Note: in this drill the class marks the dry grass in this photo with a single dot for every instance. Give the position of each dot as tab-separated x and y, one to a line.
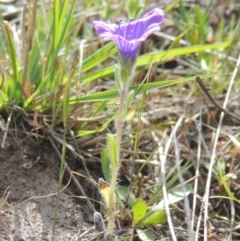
173	132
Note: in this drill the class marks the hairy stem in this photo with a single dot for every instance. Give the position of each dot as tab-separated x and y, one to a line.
116	167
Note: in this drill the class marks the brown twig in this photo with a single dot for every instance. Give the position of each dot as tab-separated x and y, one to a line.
206	91
90	205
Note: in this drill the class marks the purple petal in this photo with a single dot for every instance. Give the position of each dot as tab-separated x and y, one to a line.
129	36
104	29
127	49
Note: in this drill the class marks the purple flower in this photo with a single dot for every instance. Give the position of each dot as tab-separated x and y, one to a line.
129	36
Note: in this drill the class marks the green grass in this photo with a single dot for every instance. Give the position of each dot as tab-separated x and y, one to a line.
58	71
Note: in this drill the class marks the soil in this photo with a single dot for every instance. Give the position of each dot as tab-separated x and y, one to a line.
30	173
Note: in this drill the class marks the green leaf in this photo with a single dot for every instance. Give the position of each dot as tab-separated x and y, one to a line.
154	217
158	57
106	165
134	8
157	195
183	12
129	99
145	235
171	6
12	53
100	129
3	100
61	24
13	90
221	165
99	56
176	195
124	194
112	150
139	210
122	204
66	103
138	89
37	93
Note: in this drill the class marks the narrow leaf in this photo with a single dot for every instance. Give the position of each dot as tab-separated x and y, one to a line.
12	53
112	150
106	165
146	60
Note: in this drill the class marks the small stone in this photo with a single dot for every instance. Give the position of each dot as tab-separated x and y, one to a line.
98	222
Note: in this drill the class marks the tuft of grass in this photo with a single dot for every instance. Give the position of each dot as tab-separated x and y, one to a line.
58	75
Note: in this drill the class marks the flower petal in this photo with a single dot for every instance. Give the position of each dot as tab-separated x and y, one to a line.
104	29
142	27
127	49
129	36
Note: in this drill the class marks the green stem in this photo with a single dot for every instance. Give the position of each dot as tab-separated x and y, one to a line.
116	167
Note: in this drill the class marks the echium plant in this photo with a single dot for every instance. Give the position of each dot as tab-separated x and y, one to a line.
128	38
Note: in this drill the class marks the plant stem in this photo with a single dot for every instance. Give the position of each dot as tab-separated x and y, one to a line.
115	168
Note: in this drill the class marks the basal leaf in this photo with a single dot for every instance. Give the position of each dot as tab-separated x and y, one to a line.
139	210
154	217
176	195
145	235
124	195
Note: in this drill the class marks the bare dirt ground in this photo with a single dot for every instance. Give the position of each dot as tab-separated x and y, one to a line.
29	172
